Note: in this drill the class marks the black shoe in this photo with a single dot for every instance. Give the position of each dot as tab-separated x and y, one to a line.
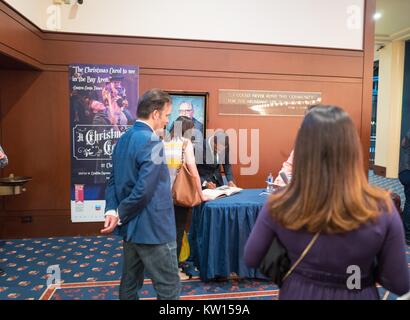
2	272
221	279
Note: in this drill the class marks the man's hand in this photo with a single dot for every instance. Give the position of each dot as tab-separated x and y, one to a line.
109	224
231	184
211	185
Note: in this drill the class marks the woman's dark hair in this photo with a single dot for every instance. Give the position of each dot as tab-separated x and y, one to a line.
329	190
154	99
180	126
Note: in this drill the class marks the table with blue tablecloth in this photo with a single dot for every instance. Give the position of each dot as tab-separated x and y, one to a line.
219	231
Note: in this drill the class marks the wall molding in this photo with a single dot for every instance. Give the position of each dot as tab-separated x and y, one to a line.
401	35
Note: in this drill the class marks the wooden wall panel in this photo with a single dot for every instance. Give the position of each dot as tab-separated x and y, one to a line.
181	57
11	227
35	115
366	106
19	38
36	137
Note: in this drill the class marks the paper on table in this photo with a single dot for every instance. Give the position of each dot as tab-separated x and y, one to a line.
220	192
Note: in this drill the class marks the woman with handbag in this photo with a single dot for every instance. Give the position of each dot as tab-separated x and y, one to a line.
341	235
179	151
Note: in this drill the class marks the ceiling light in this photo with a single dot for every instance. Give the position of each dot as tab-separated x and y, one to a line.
377	16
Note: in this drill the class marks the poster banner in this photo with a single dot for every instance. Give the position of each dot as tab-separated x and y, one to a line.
103	103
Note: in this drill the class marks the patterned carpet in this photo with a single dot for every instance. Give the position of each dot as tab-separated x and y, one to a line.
91	267
389	184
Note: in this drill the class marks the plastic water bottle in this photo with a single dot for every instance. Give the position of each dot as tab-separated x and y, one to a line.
269	182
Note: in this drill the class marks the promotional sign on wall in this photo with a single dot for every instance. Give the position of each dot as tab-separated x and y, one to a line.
103	103
266	103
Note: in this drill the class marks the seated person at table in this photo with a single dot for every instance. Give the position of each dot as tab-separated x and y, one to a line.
286	171
215	154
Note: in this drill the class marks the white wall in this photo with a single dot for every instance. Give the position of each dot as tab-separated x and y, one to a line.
317	23
389	107
34	10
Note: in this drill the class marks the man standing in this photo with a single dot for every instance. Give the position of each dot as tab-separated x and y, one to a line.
138	200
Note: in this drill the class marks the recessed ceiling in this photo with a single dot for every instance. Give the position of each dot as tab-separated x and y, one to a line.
394	23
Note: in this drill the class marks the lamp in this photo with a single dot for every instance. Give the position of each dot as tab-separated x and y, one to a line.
12	185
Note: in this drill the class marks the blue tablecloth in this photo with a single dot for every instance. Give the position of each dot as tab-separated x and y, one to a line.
218	234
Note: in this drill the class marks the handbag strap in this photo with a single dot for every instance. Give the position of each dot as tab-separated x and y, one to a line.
183	151
304	253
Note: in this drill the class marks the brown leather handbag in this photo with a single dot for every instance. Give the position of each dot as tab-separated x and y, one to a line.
184	191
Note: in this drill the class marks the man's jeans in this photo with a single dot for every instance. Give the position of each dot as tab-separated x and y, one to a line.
404	177
160	260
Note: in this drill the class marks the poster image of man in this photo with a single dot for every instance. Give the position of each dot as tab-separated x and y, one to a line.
191	106
186	109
